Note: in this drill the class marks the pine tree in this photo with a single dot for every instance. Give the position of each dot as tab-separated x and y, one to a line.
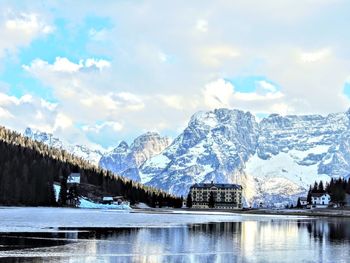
320	187
338	192
154	200
309	199
62	198
189	200
211	203
299	203
347	189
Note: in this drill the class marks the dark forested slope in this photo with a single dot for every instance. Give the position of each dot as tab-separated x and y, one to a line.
28	169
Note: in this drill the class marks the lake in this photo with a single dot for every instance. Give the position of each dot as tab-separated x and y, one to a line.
78	235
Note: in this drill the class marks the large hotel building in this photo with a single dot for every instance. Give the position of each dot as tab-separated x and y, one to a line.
226	196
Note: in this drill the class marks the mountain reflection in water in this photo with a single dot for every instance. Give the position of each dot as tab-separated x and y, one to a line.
307	240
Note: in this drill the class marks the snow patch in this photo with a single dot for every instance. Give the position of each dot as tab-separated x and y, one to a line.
57	189
85	203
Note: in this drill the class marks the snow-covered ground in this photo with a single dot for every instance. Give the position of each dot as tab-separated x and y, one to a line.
57	189
88	204
85	203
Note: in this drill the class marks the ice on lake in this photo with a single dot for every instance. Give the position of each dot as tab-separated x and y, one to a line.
45	219
93	235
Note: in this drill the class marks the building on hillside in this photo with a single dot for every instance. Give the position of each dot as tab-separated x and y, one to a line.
347	200
303	201
73	178
226	196
320	200
107	200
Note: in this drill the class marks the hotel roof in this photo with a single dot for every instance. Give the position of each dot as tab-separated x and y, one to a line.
210	185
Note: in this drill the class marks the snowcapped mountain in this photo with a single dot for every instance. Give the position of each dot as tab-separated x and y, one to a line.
212	147
82	151
275	160
126	160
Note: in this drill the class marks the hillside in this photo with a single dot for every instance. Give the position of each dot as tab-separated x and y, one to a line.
28	169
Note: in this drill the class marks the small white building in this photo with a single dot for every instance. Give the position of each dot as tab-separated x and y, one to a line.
73	178
320	200
107	200
303	201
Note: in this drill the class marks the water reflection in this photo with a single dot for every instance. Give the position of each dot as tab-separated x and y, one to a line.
308	240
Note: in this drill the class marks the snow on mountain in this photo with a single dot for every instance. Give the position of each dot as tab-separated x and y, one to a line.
275	160
126	160
81	151
212	147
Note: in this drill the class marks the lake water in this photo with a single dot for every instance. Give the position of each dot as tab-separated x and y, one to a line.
73	235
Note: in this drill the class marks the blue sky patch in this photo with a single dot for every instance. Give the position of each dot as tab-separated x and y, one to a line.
249	83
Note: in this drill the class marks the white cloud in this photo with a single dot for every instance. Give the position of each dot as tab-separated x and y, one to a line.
202	25
98	63
19	29
173	101
62	121
127	100
48	105
222	94
163	57
60	65
6	100
138	87
29	24
315	56
215	55
218	94
266	86
19	113
98	35
5	114
64	65
97	128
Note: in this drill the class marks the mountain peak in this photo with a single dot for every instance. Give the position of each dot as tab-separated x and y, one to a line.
126	160
218	117
123	145
82	151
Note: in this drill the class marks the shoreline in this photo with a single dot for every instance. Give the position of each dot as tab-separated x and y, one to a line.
342	213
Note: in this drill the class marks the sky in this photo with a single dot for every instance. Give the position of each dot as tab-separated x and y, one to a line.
98	72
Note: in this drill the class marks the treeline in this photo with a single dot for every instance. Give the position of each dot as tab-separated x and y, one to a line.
29	168
336	188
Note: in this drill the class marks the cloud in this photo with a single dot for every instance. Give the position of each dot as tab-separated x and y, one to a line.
315	56
97	128
202	25
104	133
221	94
25	111
218	94
29	24
62	122
98	35
214	56
148	69
64	65
5	114
266	86
19	29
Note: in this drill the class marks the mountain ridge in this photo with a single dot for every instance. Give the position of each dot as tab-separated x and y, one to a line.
275	159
